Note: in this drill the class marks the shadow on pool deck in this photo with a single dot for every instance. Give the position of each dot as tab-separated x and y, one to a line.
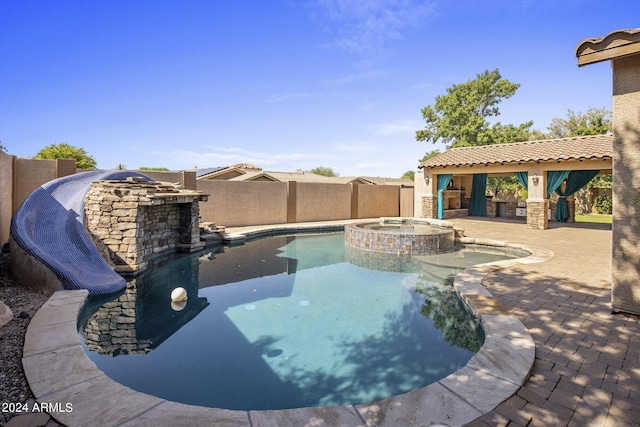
587	365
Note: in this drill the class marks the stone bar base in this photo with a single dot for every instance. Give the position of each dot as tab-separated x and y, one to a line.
537	212
134	221
455	213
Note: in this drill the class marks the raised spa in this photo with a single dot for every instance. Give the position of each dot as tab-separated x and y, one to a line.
405	237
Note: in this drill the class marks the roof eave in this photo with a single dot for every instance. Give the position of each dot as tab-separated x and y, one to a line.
617	44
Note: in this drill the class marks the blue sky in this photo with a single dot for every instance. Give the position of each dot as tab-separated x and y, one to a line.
282	84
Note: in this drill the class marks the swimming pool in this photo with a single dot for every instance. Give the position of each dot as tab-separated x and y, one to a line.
287	321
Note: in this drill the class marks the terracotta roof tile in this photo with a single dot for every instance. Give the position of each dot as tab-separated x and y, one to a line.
577	148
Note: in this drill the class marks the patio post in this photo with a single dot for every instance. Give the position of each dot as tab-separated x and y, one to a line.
537	202
429	199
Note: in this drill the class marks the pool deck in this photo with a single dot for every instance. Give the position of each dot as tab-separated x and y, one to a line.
585	366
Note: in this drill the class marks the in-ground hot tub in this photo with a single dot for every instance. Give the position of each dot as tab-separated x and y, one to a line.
401	236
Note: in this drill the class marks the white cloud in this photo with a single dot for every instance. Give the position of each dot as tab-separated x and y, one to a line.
365	27
362	76
356	147
210	156
406	126
288	97
422	86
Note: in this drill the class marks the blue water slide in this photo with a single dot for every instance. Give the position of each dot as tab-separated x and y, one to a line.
49	225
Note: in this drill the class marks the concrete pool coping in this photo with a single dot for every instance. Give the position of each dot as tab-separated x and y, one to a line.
60	373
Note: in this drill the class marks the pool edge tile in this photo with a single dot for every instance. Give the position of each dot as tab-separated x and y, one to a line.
433	404
185	415
344	416
100	398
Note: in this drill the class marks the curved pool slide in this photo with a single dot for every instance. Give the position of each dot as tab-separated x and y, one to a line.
49	226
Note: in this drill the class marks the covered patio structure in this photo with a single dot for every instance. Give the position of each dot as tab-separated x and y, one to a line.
454	182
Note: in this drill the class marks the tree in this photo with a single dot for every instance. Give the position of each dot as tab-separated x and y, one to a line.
596	121
66	151
325	171
147	168
410	175
2	147
459	118
429	155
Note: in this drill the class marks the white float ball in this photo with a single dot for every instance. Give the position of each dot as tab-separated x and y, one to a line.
178	305
179	294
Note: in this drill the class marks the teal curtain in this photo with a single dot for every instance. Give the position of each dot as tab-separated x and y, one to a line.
478	204
575	181
554	179
443	181
523	178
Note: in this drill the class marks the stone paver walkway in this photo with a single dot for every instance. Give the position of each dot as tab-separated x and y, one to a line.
587	366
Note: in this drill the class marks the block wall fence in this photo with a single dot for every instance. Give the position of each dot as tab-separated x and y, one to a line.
231	203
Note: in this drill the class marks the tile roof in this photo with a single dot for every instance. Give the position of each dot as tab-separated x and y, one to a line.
616	44
283	176
576	148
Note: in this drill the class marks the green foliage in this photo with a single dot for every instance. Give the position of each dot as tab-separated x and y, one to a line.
325	171
459	118
66	151
450	315
408	175
497	183
429	155
146	168
596	121
603	204
600	181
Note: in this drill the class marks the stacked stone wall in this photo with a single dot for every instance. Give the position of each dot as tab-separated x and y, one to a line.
537	214
492	208
132	222
430	206
112	329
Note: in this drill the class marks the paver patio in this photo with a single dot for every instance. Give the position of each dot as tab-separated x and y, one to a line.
587	366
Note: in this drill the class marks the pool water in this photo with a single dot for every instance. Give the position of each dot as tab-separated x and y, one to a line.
404	228
286	322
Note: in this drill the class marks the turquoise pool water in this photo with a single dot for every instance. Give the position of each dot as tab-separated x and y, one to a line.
285	322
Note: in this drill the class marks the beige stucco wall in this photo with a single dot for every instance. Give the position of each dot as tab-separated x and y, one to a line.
234	203
322	202
6	195
625	292
29	175
378	200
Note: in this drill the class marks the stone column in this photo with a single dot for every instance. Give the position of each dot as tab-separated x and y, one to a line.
625	290
428	188
537	211
537	202
430	206
571	205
